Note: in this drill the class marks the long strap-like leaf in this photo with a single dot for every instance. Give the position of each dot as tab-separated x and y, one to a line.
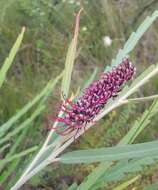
120	152
9	60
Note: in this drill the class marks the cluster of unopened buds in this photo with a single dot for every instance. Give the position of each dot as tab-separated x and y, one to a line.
77	113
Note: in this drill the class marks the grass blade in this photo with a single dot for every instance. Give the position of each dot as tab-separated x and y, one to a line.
4	147
133	39
23	125
120	152
18	155
70	58
10	58
140	124
45	92
127	183
127	139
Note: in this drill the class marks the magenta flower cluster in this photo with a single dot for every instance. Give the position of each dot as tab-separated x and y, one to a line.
78	114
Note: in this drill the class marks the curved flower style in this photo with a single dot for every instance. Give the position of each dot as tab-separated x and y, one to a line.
78	114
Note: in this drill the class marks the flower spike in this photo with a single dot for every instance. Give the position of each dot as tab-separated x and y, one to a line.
78	114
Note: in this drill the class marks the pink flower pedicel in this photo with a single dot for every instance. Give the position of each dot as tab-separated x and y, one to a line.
78	114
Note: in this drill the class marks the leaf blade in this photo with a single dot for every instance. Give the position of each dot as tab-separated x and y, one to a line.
112	153
70	58
9	60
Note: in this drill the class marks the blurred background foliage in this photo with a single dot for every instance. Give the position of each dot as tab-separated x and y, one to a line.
49	29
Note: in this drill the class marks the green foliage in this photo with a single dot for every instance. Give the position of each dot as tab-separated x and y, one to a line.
141	80
142	122
152	186
5	135
70	58
42	158
16	156
137	128
133	39
11	155
10	58
49	26
126	184
119	125
22	126
120	152
42	95
121	169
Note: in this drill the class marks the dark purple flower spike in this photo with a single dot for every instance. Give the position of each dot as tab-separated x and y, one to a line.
78	114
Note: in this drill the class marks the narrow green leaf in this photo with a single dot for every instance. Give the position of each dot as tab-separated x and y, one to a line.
18	142
112	153
126	183
70	58
14	146
23	125
10	58
122	168
45	92
18	155
46	153
94	176
140	124
4	147
10	169
133	39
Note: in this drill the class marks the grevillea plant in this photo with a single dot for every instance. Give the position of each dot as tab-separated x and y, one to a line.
98	99
95	96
